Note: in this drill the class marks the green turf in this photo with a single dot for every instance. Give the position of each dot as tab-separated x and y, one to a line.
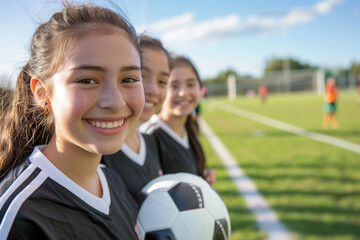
313	187
305	110
243	223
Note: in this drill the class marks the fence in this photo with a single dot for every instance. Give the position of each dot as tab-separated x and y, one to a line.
283	82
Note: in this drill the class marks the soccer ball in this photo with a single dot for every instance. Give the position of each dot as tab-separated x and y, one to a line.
182	206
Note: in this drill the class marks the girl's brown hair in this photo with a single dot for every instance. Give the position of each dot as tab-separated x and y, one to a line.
24	124
191	125
150	42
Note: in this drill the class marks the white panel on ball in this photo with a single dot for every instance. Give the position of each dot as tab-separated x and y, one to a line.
157	202
194	225
213	203
163	185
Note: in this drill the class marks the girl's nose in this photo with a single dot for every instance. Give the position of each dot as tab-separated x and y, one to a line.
182	90
150	87
111	97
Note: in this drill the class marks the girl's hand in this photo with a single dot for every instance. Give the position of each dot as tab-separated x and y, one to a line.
210	176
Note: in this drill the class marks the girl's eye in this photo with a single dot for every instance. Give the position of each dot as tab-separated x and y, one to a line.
162	82
192	84
87	81
129	80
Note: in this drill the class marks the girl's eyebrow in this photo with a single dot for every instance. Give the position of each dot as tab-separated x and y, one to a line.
144	68
130	68
191	79
88	67
101	69
165	74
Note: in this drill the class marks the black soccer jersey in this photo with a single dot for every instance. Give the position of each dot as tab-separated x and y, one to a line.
176	154
40	202
136	170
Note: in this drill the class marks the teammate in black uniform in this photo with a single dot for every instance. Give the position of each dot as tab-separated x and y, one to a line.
78	97
138	160
174	128
177	154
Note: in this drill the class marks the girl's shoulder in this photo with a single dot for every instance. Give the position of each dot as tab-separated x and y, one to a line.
149	139
151	125
13	175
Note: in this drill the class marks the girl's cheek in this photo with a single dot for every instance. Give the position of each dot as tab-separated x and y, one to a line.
174	93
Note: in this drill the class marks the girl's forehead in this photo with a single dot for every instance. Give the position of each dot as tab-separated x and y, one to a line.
183	68
99	47
182	71
70	45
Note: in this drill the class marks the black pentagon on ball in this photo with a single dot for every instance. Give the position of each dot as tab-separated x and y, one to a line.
221	230
165	234
186	196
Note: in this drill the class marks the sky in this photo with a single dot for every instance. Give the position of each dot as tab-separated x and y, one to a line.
216	35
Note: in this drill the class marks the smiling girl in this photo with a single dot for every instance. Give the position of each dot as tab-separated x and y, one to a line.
77	98
175	128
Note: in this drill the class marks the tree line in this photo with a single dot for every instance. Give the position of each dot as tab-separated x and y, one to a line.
278	64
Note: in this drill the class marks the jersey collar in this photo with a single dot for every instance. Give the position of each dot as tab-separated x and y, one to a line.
138	158
101	204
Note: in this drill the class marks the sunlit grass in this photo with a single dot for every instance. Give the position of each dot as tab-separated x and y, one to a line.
313	187
243	222
305	110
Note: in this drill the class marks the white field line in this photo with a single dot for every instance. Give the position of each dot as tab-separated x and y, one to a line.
265	216
289	128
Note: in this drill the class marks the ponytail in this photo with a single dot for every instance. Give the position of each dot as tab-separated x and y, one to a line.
24	125
192	131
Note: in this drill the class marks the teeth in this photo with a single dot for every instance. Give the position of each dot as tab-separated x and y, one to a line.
147	104
108	124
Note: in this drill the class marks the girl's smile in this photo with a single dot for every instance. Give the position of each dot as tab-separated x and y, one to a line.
107	127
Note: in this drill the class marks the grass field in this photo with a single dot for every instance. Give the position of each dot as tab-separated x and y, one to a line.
313	187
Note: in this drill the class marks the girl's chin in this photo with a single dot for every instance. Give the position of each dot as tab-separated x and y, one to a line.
182	113
146	116
109	150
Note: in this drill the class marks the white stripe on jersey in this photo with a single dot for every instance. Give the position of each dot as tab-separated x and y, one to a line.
23	176
15	205
155	123
138	158
148	126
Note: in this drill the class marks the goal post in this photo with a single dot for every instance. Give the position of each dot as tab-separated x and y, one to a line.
320	82
231	85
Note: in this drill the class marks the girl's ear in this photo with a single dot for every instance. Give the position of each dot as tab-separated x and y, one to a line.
38	88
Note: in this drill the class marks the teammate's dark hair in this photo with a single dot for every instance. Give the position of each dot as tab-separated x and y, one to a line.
153	43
